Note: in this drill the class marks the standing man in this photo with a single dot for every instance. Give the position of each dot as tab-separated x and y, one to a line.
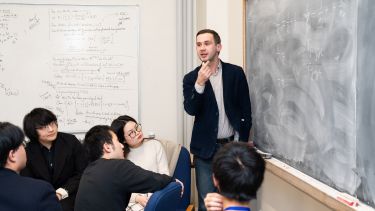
217	95
17	192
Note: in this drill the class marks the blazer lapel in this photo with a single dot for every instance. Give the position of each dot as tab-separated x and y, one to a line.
38	162
210	91
60	158
225	77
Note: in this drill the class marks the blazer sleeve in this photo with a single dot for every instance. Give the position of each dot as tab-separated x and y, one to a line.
48	199
192	99
245	107
80	163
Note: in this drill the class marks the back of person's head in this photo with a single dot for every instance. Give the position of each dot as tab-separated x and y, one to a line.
37	118
118	127
11	138
94	140
217	38
238	170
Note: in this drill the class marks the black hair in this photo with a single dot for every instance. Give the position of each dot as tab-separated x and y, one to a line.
239	170
210	31
11	138
118	127
38	117
94	140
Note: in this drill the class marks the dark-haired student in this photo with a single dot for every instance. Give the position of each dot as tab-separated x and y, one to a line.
238	172
53	156
109	179
17	192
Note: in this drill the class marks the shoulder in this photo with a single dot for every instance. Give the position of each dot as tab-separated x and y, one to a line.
233	67
155	145
36	184
110	163
152	142
31	147
192	74
68	138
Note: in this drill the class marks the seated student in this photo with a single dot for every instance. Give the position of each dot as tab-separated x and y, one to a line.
148	154
53	156
238	172
109	179
17	192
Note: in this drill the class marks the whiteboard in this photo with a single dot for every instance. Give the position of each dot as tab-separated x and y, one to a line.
79	61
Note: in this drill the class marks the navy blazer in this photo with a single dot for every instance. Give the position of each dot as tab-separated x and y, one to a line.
204	108
22	193
70	163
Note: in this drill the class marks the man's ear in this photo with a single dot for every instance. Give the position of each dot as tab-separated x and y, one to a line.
218	48
107	148
216	183
12	156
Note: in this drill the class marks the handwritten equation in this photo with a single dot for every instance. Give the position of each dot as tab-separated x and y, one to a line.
79	61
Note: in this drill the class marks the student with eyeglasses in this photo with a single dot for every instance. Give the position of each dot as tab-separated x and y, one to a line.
53	156
148	154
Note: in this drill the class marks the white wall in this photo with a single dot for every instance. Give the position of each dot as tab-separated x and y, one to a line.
158	74
225	17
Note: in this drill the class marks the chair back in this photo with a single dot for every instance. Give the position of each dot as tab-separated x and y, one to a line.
183	173
166	199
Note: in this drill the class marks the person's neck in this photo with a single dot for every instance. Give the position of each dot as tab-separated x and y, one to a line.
233	203
136	146
12	168
214	64
46	144
107	156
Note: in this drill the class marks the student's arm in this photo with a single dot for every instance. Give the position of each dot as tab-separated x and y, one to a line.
137	180
48	200
79	163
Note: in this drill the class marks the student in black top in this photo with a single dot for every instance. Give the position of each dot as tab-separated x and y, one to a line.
238	172
53	156
17	192
109	179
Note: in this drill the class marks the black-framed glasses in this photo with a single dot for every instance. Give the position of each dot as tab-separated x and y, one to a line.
137	129
47	126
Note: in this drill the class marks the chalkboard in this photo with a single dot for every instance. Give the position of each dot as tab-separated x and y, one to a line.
311	74
79	61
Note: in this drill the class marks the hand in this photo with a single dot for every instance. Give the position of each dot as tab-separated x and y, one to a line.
182	185
251	143
59	197
204	73
142	200
213	202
